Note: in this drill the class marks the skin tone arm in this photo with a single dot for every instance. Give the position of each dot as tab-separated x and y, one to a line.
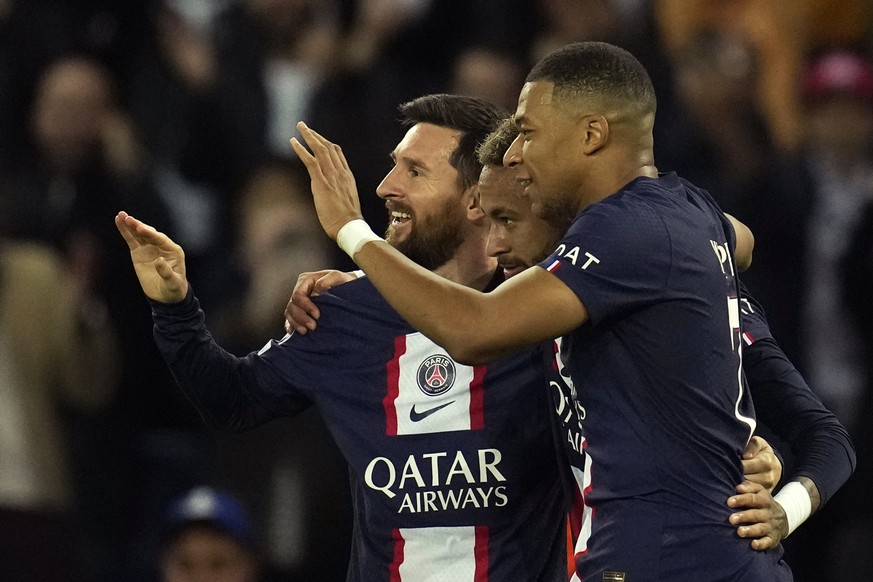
470	325
745	243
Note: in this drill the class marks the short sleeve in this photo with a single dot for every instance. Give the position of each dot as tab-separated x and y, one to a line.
615	256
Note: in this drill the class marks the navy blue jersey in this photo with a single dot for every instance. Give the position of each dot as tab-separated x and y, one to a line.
568	424
658	377
454	469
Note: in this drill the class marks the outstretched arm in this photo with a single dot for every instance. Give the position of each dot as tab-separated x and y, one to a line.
472	326
230	393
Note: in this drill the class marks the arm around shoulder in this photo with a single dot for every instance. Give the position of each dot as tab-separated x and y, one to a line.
474	327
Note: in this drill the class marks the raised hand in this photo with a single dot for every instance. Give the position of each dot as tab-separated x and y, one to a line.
333	185
158	261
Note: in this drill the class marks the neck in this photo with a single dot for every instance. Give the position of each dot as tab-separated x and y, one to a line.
471	266
625	166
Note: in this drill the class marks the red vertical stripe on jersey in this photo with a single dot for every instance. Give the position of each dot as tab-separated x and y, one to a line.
393	388
571	559
480	552
477	398
577	510
394	567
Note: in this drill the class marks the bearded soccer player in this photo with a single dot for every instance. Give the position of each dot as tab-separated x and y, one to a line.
454	469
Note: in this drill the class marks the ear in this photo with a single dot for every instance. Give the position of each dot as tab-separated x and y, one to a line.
474	210
595	133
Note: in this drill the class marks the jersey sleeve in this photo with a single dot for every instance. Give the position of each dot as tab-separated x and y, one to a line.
784	402
229	392
615	257
753	318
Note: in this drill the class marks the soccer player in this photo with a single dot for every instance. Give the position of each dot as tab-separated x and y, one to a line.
643	288
823	450
454	469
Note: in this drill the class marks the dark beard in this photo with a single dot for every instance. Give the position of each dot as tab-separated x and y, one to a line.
434	240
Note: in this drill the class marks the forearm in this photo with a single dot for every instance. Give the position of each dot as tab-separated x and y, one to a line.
448	313
230	393
784	402
474	327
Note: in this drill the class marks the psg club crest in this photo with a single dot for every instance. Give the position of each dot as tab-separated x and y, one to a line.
436	375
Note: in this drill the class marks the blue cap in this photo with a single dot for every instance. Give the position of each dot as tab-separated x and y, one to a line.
204	505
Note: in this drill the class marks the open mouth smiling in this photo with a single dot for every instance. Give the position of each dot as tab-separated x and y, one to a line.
398	217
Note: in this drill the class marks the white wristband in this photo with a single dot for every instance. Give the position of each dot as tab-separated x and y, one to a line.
795	500
353	235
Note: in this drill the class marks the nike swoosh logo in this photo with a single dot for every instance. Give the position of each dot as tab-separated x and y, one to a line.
416	416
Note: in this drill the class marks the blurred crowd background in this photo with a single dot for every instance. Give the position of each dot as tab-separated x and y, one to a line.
180	111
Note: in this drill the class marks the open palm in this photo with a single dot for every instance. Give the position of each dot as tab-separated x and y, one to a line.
158	261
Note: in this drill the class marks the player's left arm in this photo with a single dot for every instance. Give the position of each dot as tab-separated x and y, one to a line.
824	456
473	327
745	243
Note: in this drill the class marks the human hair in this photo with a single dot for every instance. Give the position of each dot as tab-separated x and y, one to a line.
600	72
490	152
475	118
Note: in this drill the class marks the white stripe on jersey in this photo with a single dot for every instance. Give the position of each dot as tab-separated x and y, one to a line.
421	413
734	320
583	482
439	554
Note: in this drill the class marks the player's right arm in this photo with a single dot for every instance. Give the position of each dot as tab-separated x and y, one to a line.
230	393
473	327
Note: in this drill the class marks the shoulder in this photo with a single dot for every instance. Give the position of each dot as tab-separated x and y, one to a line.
643	197
634	215
356	303
359	291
